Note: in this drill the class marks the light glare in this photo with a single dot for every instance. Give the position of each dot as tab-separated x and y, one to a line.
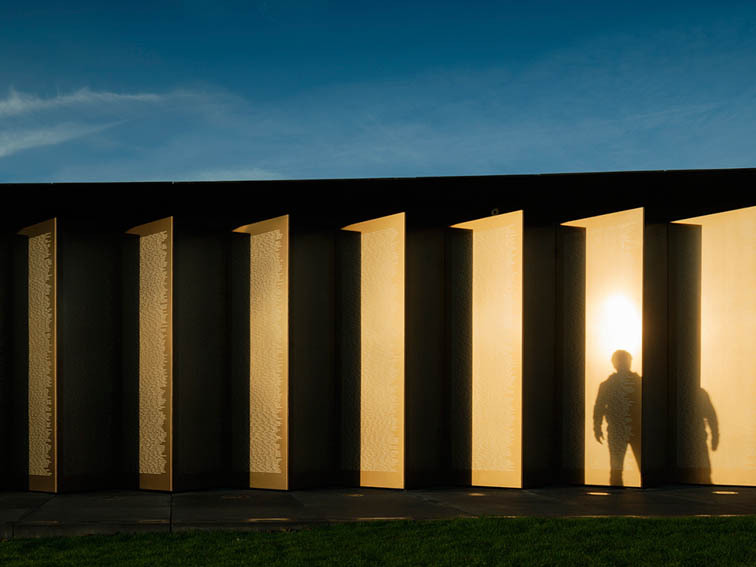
621	325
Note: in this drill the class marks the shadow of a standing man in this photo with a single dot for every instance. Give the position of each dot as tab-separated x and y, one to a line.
704	415
618	401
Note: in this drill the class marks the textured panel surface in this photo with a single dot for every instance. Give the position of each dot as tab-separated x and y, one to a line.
267	448
497	350
614	296
268	350
716	420
41	354
382	351
154	352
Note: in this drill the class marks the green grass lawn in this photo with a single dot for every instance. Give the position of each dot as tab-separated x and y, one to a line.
486	541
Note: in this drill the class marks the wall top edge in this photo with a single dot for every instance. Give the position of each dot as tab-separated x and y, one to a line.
391	221
40	228
584	222
161	225
260	227
494	221
723	215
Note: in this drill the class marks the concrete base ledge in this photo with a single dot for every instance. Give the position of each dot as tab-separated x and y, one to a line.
30	515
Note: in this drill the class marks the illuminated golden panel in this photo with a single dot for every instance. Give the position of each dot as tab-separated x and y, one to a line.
613	319
497	350
727	392
155	353
269	352
382	351
42	372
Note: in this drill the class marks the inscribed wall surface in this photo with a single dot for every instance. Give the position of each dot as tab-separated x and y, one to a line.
155	354
268	352
716	421
496	443
613	318
382	351
42	356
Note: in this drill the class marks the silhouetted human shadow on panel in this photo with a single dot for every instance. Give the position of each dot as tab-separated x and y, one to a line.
618	401
704	416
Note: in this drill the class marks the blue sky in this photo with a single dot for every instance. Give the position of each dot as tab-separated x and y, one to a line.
329	89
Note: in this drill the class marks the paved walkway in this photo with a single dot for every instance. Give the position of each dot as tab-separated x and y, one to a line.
26	514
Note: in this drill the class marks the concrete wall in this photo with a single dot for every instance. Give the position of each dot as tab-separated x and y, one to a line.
313	410
313	387
458	348
685	357
517	377
238	388
570	353
540	431
89	357
348	354
425	373
18	477
200	358
655	415
128	409
6	361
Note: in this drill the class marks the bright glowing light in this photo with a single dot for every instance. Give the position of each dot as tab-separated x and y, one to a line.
724	492
613	315
597	493
620	325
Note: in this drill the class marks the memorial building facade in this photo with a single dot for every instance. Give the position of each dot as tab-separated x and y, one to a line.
502	331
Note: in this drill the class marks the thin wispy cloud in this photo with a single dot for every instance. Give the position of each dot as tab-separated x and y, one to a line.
604	104
286	90
19	103
15	141
29	121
